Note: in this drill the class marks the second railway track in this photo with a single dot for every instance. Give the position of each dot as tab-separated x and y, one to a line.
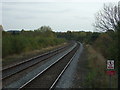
7	72
50	75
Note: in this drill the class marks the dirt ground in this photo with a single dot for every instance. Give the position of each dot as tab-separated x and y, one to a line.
81	72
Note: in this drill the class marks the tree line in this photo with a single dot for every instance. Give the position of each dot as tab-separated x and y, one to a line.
107	42
107	35
104	42
24	41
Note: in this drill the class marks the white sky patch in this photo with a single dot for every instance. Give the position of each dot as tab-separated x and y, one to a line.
60	0
0	12
60	16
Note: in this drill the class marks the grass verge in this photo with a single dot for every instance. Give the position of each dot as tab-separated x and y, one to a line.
96	77
26	55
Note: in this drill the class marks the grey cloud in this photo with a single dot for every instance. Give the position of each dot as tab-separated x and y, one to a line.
60	16
35	10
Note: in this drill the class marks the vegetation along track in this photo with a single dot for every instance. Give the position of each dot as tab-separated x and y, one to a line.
12	70
50	75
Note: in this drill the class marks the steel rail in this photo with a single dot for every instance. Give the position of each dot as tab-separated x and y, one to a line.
57	79
5	77
32	58
43	71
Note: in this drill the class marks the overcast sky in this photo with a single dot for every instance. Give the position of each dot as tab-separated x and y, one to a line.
59	15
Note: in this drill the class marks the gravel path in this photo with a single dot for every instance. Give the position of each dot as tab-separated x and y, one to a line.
75	75
81	71
67	78
31	74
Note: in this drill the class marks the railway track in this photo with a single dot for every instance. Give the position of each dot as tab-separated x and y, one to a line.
21	66
51	74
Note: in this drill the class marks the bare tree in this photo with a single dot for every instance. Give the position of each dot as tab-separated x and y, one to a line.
108	18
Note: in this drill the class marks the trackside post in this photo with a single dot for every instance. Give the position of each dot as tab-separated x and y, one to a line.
110	71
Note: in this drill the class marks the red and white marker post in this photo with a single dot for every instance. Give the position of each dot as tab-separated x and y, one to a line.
110	70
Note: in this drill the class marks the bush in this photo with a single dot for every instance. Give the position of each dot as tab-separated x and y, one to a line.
27	41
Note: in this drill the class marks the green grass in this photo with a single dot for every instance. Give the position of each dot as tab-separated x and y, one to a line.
26	55
27	41
97	78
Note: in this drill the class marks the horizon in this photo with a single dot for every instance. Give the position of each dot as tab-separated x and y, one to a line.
60	16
